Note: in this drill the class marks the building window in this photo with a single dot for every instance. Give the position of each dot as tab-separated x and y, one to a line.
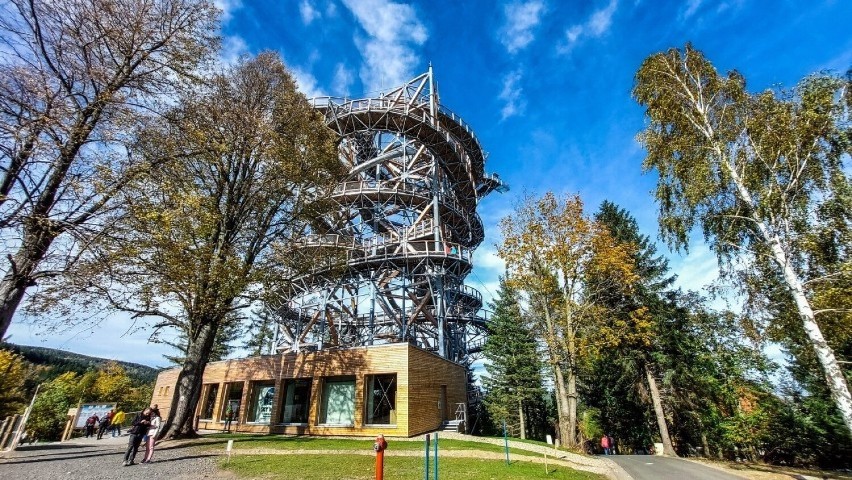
209	401
381	399
263	395
231	407
338	401
297	401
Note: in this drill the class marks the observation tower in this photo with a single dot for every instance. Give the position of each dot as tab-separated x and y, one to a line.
399	244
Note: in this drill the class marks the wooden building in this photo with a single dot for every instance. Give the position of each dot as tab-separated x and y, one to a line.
393	389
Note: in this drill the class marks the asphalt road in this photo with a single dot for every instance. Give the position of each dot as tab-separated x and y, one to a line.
654	467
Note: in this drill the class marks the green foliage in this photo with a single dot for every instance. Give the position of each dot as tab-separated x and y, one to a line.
513	365
109	384
261	331
223	345
766	177
50	410
13	373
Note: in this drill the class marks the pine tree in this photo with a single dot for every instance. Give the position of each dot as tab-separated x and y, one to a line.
514	381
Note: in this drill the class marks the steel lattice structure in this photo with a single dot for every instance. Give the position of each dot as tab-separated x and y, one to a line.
406	224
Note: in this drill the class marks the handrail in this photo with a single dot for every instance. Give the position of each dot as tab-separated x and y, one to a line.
386	103
461	413
365	187
403	247
468	291
472	219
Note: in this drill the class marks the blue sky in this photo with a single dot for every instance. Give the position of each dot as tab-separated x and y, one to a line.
545	84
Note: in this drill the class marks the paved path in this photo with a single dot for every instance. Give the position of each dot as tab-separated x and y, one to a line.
655	467
85	459
600	465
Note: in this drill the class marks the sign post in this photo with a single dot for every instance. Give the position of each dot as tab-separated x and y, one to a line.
549	442
228	449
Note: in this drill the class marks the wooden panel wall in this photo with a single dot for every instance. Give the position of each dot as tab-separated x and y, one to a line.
164	390
427	373
420	375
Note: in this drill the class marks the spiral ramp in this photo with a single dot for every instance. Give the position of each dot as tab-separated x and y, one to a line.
389	265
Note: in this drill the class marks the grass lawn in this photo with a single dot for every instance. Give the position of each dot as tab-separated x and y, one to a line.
334	467
242	441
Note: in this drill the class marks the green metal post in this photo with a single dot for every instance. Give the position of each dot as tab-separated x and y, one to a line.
426	477
506	441
436	455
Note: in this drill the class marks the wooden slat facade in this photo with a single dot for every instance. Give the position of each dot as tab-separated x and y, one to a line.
429	388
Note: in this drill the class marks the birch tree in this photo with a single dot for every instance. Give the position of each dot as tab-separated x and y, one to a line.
754	171
76	76
550	245
249	161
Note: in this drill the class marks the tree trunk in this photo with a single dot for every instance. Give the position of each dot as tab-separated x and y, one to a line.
22	267
572	407
523	423
561	404
668	449
706	445
833	375
561	396
180	422
572	374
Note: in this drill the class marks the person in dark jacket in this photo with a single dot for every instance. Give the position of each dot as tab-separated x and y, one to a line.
91	423
137	431
105	423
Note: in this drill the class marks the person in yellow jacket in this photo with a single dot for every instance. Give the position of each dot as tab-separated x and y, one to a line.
117	420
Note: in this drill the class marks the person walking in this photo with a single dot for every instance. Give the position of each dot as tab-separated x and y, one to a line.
229	417
605	444
151	438
105	423
136	432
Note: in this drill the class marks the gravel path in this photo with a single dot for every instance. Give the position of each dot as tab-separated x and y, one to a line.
84	459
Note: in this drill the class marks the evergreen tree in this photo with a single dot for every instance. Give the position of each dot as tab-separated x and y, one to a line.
514	382
261	332
629	337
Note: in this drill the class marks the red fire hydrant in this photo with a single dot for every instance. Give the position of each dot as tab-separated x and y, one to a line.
380	447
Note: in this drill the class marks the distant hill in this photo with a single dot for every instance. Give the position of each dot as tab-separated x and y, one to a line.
63	361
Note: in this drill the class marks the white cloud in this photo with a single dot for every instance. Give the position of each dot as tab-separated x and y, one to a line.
596	26
393	31
307	83
691	7
601	20
697	270
513	102
343	78
521	19
331	9
308	12
228	7
233	47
